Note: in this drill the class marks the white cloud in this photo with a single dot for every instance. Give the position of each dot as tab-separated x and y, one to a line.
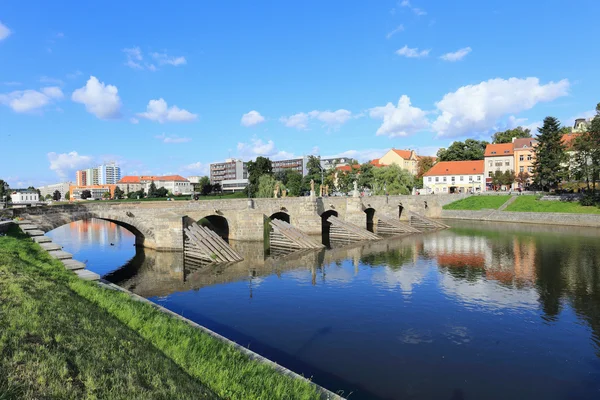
51	81
134	58
331	119
65	164
99	99
198	168
252	118
361	155
457	55
416	10
412	52
476	108
298	121
158	110
257	147
163	58
29	100
134	121
399	28
4	31
172	139
402	120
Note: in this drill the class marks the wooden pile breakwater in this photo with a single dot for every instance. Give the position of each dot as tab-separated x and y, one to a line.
205	246
390	226
345	231
284	236
423	223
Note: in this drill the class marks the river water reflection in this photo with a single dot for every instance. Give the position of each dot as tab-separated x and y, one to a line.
479	311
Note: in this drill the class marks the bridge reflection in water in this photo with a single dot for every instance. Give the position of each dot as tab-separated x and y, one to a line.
480	311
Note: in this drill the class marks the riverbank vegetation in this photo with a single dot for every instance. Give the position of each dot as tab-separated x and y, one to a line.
534	204
478	203
62	337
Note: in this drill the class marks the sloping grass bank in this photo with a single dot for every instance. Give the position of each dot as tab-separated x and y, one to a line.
478	203
62	337
533	204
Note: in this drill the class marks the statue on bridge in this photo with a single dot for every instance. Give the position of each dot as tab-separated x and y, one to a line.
276	191
355	192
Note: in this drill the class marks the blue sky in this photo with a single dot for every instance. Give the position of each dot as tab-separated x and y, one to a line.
169	87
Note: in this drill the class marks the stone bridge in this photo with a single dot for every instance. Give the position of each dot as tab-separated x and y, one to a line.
159	225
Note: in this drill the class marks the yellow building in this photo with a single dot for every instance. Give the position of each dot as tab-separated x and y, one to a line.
405	159
524	153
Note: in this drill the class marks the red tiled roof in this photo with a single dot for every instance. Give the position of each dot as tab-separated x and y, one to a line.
375	162
456	168
403	153
497	150
522	143
130	179
178	178
347	168
147	178
568	138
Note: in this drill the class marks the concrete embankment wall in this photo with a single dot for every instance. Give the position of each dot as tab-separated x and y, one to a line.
5	225
525	217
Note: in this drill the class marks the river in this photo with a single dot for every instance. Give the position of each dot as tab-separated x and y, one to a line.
478	311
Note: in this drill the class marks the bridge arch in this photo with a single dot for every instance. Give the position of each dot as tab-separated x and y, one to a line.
218	224
370	213
326	226
280	215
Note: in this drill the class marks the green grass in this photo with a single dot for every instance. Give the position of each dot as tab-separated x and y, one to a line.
532	204
62	337
478	203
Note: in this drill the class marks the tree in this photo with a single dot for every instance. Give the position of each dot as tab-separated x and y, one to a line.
216	188
293	182
261	166
152	189
425	163
119	193
550	155
4	189
508	178
497	179
140	193
161	192
48	197
207	189
522	179
471	149
508	135
313	171
56	195
393	180
266	186
68	196
366	177
86	194
106	195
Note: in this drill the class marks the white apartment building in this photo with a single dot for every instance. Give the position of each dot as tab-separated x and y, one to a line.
105	174
63	188
455	177
24	197
173	183
234	185
498	157
229	170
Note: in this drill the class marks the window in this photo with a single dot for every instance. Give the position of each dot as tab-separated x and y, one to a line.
490	174
521	169
521	157
529	157
507	163
445	189
437	178
470	178
530	169
444	179
498	163
453	178
429	179
491	163
462	178
493	152
479	178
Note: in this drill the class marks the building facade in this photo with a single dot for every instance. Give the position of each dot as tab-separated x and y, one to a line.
524	155
24	197
455	177
175	184
498	157
296	164
63	189
234	185
105	174
97	192
231	169
405	159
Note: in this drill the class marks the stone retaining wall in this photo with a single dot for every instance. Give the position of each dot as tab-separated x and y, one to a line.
525	217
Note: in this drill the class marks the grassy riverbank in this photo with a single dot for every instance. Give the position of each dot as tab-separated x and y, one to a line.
478	203
62	337
533	204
